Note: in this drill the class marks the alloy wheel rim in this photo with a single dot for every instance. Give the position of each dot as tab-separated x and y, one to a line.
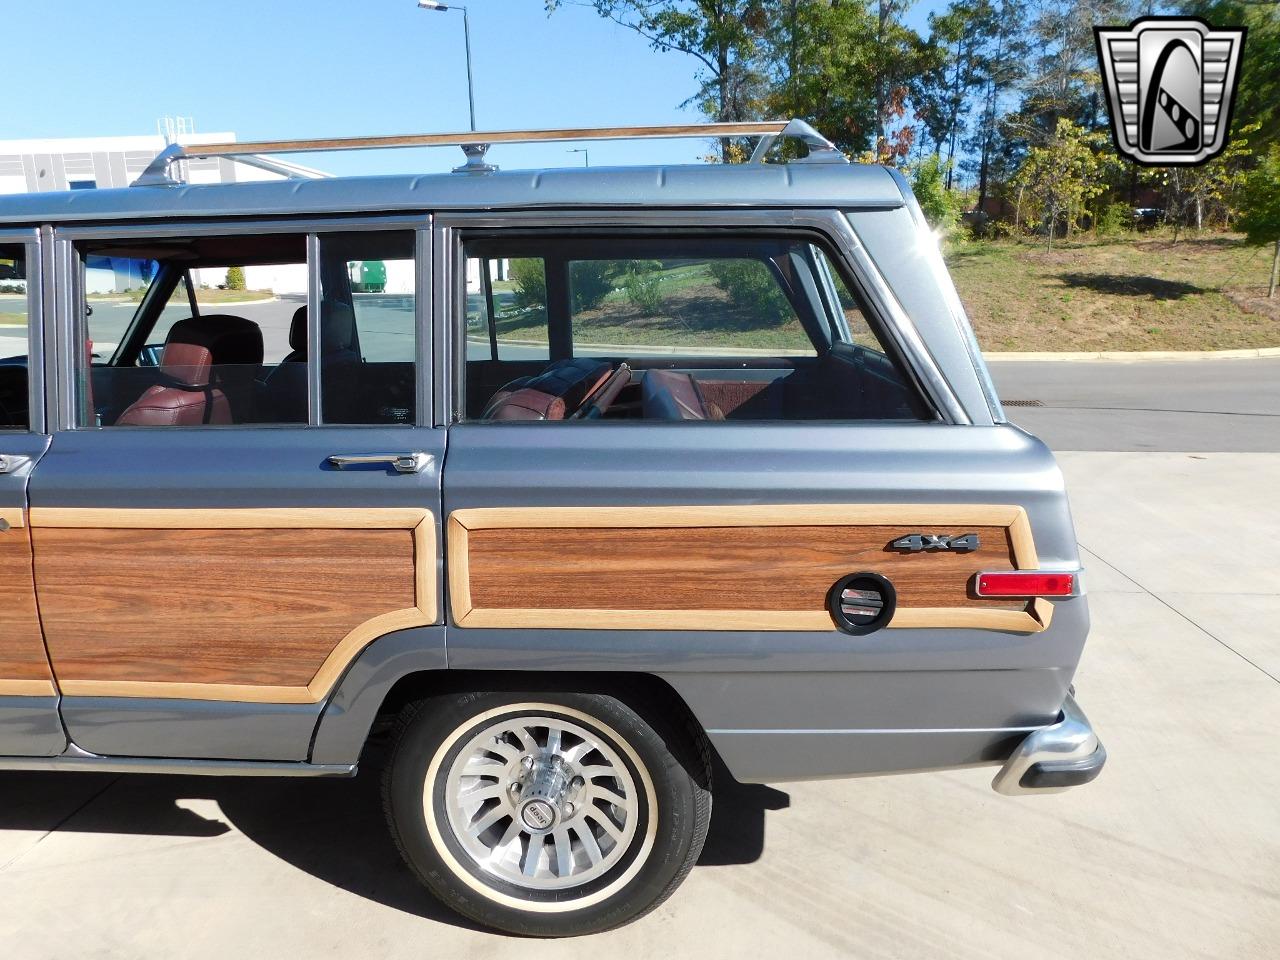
541	802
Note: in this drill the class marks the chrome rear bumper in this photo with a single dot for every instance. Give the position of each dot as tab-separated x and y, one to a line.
1053	758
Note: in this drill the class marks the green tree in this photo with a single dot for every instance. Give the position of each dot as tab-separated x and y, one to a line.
1258	98
959	35
1064	174
1188	190
1003	64
1260	220
235	278
819	62
721	35
941	206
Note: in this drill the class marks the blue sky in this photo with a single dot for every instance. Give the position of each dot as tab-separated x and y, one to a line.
299	68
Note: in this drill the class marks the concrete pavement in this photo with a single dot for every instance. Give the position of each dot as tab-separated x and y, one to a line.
1174	852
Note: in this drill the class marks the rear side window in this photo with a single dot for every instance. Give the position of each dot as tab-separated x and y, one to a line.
14	314
672	328
217	331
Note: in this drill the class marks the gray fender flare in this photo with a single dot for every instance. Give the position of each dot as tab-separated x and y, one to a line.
344	725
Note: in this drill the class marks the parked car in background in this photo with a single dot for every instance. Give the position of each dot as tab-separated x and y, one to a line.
716	472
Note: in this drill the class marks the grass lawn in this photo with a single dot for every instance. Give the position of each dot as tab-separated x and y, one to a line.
13	319
694	311
211	295
1203	293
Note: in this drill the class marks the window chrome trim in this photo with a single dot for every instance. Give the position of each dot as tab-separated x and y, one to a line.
37	281
946	286
423	327
832	224
935	384
60	334
315	410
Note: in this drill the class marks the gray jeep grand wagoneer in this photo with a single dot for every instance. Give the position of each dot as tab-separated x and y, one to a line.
619	472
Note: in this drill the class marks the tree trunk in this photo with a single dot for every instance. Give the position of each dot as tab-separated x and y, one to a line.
1199	214
1275	271
881	87
722	85
1053	225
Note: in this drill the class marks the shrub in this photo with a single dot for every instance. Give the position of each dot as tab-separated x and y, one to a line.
235	278
941	207
644	290
589	283
752	289
530	279
1116	218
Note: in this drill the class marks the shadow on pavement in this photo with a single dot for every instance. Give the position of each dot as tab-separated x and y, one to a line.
331	829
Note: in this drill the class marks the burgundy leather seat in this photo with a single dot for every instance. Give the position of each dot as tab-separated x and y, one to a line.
551	395
208	367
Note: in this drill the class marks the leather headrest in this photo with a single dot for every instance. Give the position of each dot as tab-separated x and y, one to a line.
197	344
298	330
337	328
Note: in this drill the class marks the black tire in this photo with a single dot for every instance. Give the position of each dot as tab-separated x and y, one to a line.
666	758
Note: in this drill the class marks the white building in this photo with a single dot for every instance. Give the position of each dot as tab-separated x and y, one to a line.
86	163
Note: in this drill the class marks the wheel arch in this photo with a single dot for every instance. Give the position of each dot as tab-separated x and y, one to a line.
411	665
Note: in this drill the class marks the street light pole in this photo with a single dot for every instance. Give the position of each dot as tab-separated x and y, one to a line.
466	34
586	155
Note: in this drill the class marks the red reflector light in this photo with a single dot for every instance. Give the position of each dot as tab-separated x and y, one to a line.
1025	584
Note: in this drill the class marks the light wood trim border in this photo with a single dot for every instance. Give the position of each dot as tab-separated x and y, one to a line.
461	522
16	517
424	612
27	688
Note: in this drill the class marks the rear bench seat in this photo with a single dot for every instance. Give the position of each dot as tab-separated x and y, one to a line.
552	395
667	395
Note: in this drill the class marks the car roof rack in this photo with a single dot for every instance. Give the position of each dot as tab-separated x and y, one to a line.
475	144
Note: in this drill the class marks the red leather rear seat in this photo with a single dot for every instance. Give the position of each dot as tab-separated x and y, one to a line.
551	395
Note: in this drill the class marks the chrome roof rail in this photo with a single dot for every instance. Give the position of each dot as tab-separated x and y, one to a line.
475	143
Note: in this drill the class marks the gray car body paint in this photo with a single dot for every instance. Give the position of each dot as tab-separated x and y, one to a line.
776	705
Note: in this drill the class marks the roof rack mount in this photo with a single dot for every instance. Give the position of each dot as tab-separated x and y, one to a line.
474	144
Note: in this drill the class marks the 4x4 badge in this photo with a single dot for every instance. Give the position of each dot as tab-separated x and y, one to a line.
1170	84
927	541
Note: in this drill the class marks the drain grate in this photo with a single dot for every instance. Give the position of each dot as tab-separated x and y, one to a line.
1022	403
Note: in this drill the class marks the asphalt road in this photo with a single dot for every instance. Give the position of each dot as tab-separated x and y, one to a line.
1188	405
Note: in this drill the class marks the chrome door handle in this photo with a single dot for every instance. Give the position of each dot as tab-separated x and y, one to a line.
9	462
400	462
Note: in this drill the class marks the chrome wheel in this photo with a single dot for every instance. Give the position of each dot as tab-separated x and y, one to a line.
541	802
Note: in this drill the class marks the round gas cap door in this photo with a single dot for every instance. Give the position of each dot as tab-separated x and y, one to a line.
862	602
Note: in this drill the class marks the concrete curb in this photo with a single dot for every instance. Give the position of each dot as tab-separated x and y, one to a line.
1135	356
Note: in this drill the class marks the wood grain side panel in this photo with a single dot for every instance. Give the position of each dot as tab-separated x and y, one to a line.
24	667
760	568
239	607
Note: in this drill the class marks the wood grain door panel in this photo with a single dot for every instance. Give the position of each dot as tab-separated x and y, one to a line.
726	568
225	604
